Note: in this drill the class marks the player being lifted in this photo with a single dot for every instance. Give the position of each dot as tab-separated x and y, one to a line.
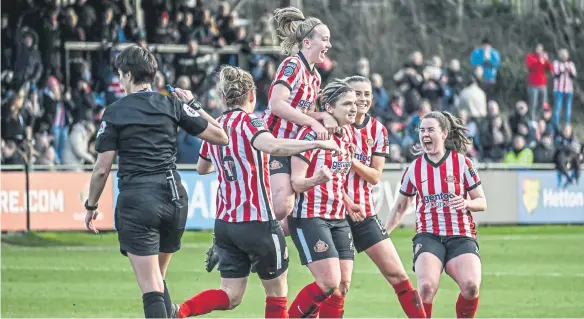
291	99
371	148
246	229
441	180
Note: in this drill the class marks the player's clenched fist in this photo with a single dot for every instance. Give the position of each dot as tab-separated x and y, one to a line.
323	175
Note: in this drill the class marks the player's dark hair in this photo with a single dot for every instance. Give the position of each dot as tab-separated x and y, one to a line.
457	139
331	93
234	85
293	27
138	61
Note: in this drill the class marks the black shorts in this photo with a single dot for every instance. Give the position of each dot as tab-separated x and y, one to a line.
280	164
318	239
241	245
367	233
444	247
148	222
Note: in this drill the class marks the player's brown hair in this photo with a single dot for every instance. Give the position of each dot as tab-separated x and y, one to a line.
356	78
293	27
331	93
234	85
138	61
457	139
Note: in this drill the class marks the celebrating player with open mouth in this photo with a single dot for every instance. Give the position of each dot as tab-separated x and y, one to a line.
371	148
291	100
246	230
318	225
441	180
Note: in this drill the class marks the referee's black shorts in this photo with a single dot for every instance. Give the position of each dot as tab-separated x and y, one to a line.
147	220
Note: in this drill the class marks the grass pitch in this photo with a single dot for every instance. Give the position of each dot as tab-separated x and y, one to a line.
528	272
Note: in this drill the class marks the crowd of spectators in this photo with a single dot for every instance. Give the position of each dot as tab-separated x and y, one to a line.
49	117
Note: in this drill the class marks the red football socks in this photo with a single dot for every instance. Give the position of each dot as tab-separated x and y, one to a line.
333	307
466	308
409	299
276	307
307	301
428	309
204	302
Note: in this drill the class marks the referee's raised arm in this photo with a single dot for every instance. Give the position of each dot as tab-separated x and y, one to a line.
190	111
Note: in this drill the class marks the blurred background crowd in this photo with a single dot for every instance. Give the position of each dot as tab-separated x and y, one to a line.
52	99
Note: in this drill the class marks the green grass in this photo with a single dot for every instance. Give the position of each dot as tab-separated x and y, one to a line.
528	272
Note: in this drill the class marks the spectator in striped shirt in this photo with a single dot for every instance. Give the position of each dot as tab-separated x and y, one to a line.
441	180
564	76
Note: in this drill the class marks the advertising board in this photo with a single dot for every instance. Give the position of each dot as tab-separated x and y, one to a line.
56	201
542	201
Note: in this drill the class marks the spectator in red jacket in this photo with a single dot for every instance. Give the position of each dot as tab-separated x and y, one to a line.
537	63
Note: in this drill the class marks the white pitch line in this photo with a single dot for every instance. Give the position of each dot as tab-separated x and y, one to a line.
357	270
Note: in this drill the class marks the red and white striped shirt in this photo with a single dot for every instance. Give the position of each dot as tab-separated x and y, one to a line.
244	180
324	200
564	74
370	139
434	185
304	83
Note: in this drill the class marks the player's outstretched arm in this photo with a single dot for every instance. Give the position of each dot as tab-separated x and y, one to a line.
267	143
398	211
301	183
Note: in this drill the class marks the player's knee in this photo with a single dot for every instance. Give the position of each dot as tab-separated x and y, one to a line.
469	289
283	207
344	287
329	285
234	300
428	289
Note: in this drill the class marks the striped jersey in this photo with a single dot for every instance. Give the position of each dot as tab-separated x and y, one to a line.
434	184
324	200
244	180
564	75
303	82
370	139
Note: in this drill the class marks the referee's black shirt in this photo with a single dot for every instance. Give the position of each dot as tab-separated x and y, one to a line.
142	128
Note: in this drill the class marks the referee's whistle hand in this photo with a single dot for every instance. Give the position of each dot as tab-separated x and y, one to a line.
183	95
89	218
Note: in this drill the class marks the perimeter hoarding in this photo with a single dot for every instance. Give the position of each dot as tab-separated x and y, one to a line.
542	201
56	201
202	190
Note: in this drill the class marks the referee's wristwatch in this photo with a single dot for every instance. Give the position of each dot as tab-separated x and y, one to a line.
194	104
90	207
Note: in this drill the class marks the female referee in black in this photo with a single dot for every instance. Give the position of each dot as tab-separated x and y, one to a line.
152	205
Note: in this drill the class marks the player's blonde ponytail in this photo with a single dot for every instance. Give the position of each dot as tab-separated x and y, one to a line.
234	85
292	28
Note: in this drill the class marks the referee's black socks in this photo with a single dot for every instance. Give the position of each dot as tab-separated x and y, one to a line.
167	300
154	305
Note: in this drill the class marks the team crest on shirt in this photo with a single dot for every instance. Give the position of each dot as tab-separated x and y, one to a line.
274	164
369	142
450	179
290	68
320	246
257	122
